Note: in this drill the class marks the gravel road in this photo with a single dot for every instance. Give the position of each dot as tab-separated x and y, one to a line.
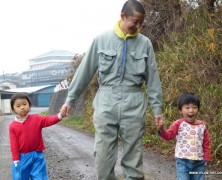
69	155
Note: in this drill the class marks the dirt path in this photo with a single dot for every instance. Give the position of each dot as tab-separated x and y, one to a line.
69	156
73	154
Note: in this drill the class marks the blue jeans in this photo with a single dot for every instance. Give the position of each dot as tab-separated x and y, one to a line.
31	165
190	169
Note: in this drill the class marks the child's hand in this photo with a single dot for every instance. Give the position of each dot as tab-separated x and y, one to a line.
160	124
208	163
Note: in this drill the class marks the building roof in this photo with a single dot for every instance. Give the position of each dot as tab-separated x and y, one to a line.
10	77
64	65
55	53
5	92
9	81
28	89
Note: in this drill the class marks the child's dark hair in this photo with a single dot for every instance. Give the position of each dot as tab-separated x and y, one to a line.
19	96
187	98
132	5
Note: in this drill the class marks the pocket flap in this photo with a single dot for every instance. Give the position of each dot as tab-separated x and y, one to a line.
138	55
108	54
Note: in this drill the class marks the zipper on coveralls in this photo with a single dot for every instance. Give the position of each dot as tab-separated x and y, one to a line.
122	67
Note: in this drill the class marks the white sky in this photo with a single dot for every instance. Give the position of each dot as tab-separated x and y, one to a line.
29	28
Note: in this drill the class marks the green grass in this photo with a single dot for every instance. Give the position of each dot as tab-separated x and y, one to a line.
76	122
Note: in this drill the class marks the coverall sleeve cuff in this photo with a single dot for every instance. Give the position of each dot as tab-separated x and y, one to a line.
70	102
157	110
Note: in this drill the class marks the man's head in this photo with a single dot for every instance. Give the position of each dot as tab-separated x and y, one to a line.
132	16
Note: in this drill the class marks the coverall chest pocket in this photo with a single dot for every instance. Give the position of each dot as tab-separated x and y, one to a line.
138	63
106	60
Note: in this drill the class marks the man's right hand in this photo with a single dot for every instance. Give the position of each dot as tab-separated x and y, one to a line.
66	108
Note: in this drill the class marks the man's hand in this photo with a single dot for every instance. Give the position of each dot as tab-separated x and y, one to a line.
65	110
158	118
159	123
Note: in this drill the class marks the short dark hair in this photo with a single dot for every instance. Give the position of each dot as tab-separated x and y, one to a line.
19	96
132	5
187	98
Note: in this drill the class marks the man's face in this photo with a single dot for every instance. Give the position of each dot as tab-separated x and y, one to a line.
131	24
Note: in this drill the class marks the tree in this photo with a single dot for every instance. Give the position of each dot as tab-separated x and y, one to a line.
163	17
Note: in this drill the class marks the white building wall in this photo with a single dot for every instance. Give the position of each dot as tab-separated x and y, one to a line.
5	106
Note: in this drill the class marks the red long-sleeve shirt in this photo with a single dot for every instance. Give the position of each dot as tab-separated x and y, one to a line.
27	136
193	140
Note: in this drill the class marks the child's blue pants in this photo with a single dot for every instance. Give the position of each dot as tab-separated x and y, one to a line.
31	166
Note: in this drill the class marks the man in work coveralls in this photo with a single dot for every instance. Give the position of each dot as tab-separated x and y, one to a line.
124	59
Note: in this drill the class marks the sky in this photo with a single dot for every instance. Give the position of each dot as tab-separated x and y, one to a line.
29	28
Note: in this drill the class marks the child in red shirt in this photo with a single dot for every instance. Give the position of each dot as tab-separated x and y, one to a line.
192	149
26	139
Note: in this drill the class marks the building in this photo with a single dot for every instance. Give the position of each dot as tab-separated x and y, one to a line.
9	81
5	97
46	72
48	69
5	84
40	96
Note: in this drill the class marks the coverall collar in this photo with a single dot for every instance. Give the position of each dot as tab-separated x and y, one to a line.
120	33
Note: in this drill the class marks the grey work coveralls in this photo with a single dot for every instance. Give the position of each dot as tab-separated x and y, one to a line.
119	105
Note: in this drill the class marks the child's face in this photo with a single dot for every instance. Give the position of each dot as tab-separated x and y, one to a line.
21	107
190	112
131	24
